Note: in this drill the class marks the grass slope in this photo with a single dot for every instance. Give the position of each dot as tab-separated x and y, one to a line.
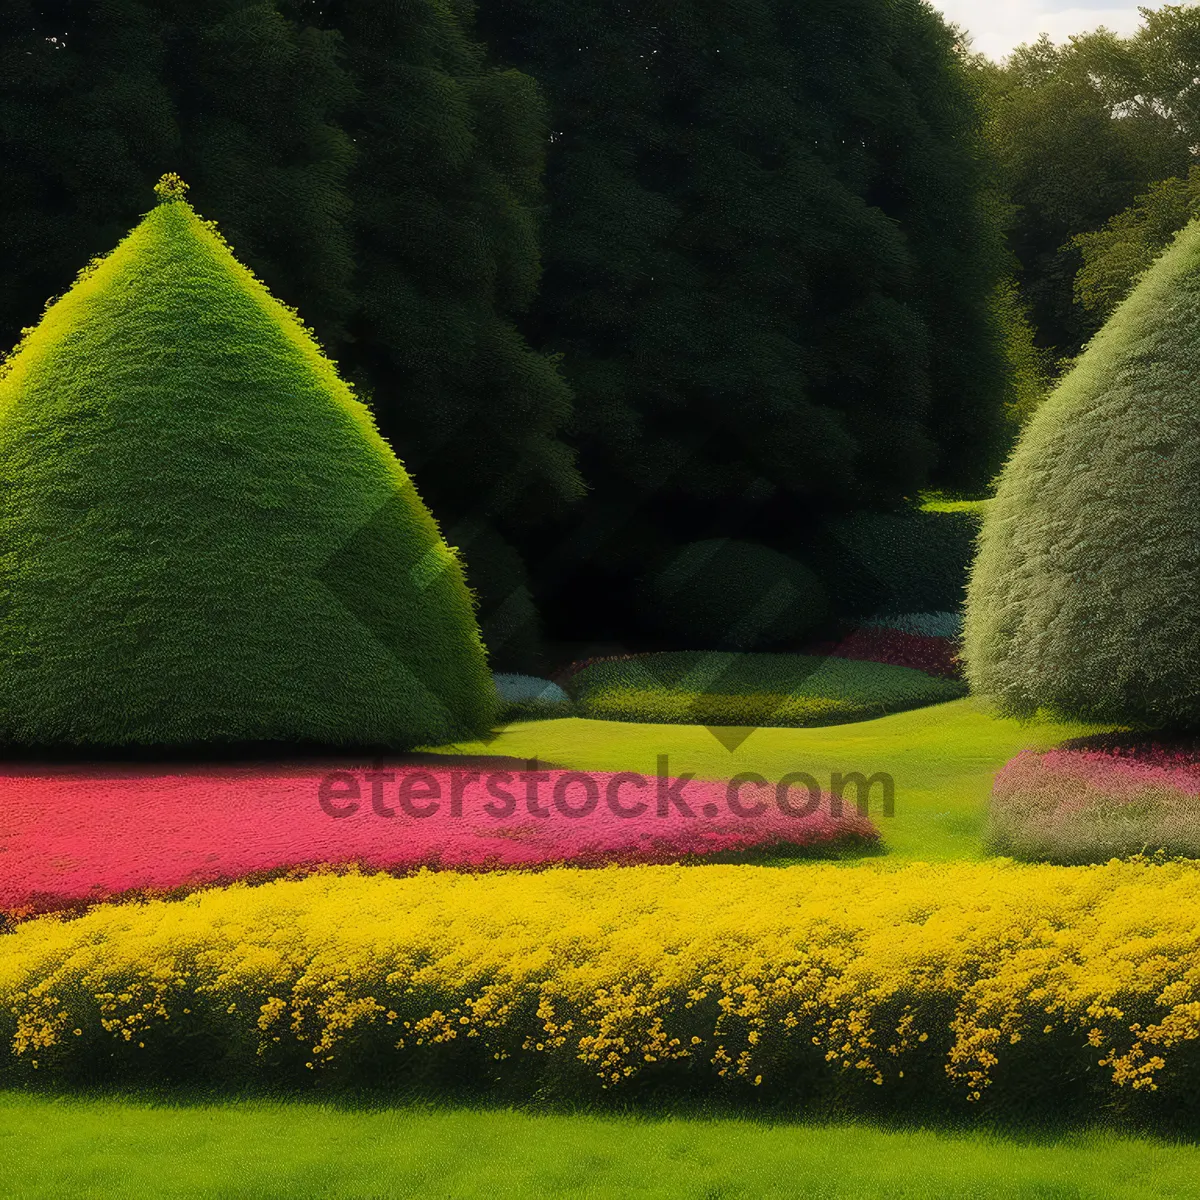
948	504
942	759
205	538
121	1149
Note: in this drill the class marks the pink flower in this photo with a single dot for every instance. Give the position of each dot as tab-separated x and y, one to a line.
78	835
1090	803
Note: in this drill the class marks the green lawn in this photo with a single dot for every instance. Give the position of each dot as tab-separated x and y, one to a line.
942	759
936	502
119	1149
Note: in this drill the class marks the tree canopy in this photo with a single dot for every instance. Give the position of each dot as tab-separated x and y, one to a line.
769	264
1079	131
754	241
1113	258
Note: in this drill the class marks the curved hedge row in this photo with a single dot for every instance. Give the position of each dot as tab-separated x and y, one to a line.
714	688
1028	981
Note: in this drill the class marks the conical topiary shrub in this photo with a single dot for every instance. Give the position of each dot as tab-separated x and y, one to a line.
203	538
1084	596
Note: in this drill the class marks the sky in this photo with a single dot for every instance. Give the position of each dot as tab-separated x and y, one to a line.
999	26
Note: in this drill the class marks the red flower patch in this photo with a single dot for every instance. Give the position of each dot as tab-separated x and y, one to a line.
933	655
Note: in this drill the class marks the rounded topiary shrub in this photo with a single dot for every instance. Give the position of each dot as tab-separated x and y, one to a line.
897	562
1083	598
728	594
204	537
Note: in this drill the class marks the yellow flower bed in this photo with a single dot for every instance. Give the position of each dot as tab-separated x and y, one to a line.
854	971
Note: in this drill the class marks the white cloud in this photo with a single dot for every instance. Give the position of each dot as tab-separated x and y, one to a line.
998	26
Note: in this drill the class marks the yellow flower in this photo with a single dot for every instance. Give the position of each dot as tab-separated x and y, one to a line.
618	970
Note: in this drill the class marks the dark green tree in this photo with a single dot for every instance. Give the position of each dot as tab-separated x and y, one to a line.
935	174
1078	130
769	265
1114	257
1030	367
98	100
1149	77
446	184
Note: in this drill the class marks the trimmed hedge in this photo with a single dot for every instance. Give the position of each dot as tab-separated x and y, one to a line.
723	594
953	981
204	537
1082	600
913	560
713	688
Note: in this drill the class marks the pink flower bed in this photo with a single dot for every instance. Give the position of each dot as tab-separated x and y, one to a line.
933	655
71	837
1091	803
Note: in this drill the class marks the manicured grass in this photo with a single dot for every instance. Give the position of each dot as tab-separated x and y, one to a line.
706	688
119	1149
937	503
942	759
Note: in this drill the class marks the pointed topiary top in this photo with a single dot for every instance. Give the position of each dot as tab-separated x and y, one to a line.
1083	596
202	535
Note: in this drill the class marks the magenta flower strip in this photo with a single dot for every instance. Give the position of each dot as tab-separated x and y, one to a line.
70	837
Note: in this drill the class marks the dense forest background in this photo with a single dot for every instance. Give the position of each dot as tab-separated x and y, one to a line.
633	289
